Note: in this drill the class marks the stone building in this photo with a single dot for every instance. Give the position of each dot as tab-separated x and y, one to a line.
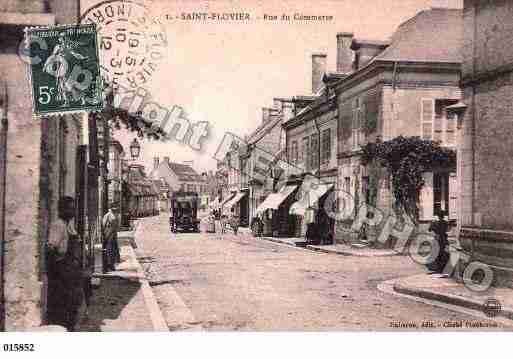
41	160
178	176
236	182
143	196
485	157
267	142
312	138
115	172
402	87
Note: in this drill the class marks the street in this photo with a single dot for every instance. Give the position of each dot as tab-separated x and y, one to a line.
245	283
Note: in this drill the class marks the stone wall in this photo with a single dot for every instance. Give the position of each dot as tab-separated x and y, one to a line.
33	182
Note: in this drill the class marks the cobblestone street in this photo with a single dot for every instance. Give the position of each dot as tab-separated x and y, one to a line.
244	283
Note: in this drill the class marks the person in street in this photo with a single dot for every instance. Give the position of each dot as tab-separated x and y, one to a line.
110	225
211	223
66	280
234	221
440	229
222	222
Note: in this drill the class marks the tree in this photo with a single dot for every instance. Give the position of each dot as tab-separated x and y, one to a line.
118	116
406	159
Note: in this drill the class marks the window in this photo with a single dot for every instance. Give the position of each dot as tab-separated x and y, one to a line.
190	188
440	193
357	134
365	188
437	124
182	187
427	113
305	149
347	184
314	152
294	152
326	146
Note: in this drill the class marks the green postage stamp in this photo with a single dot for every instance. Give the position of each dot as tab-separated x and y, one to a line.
64	69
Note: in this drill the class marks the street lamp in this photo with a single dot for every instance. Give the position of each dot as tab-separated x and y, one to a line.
135	148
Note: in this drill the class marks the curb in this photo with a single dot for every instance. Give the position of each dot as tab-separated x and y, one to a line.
302	244
449	299
349	253
156	316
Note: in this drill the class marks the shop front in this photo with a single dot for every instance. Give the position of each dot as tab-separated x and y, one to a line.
274	212
314	223
233	206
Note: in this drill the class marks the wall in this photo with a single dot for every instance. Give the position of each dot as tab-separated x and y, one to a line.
32	191
396	110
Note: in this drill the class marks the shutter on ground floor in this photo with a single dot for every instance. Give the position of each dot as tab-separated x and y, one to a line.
426	198
453	196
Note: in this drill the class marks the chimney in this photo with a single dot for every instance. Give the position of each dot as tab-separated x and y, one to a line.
155	162
288	111
366	50
265	114
166	160
188	163
344	52
318	70
277	103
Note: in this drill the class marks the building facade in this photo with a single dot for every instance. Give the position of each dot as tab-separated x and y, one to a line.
115	172
40	161
141	196
178	176
311	147
402	87
485	155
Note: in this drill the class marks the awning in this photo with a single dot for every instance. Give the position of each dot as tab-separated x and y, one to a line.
309	199
234	200
274	200
228	199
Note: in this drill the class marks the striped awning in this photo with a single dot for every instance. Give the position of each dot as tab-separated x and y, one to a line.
274	200
309	199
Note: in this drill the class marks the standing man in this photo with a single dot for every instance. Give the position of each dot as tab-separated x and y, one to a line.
64	268
110	245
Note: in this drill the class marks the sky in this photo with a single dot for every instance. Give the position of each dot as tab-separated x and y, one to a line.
225	72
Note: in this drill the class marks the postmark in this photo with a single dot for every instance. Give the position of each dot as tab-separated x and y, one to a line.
64	69
132	41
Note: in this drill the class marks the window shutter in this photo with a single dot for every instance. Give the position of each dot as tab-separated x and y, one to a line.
426	197
453	196
450	135
427	117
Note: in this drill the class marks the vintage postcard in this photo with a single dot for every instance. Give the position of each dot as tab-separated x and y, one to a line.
291	166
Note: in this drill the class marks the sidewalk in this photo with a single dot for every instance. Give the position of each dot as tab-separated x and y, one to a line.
354	250
298	242
124	300
340	249
449	291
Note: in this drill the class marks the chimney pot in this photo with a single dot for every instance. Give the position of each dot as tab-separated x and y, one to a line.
166	160
155	162
318	70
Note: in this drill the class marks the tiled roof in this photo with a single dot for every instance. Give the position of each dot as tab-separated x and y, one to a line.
263	129
185	172
434	35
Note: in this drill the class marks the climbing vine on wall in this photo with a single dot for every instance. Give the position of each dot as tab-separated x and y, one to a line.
406	159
